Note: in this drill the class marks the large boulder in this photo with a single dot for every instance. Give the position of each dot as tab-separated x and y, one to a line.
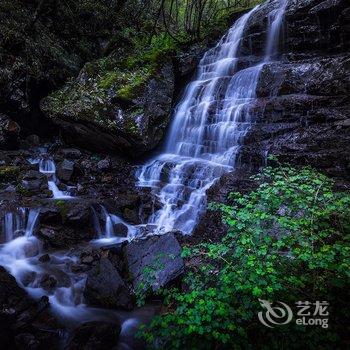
104	287
110	108
34	181
154	262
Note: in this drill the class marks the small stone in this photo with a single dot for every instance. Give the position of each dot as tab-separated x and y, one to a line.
87	259
48	282
104	164
71	153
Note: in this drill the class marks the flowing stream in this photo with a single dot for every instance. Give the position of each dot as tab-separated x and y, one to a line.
47	166
204	141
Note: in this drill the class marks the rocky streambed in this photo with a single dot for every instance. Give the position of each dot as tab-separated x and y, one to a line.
70	255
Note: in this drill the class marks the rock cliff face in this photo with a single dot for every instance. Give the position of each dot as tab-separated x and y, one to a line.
302	110
303	107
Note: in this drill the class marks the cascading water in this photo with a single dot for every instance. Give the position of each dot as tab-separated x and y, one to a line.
208	128
21	254
114	229
20	244
47	166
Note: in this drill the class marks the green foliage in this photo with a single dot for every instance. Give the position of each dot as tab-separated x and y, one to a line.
288	240
63	209
149	53
149	277
22	191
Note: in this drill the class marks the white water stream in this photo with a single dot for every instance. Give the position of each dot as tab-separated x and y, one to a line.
47	166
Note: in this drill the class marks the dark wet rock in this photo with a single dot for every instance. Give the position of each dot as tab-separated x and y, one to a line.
8	173
78	215
22	319
89	256
62	237
211	227
186	62
65	170
154	262
12	298
27	341
34	181
104	287
55	278
44	258
94	336
28	278
71	153
33	140
4	158
131	215
9	132
50	215
72	215
48	282
303	102
120	230
87	259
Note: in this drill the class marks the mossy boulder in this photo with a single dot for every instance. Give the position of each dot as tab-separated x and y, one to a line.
9	173
111	107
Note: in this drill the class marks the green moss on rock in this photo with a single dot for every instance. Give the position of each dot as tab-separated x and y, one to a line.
9	173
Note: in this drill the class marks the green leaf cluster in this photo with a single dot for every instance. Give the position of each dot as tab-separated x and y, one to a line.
288	240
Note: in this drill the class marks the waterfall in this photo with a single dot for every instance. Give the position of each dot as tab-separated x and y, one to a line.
20	256
47	166
275	19
112	230
20	243
208	128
